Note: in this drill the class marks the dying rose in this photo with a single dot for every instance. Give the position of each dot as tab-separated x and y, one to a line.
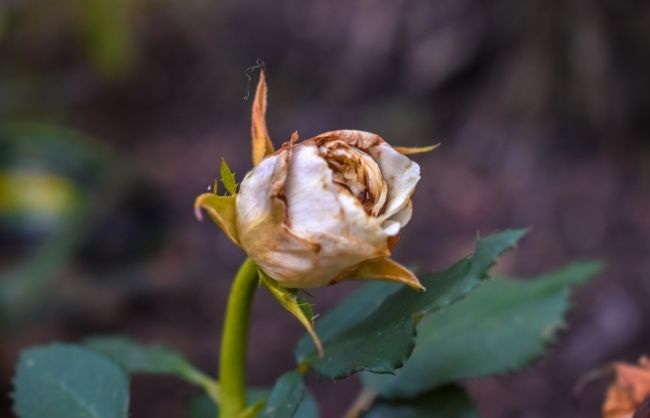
313	212
322	210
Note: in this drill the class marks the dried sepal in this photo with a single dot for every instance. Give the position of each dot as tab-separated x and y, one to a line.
416	150
221	210
295	305
629	390
383	268
262	145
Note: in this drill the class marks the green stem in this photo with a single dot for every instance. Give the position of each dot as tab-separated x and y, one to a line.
232	362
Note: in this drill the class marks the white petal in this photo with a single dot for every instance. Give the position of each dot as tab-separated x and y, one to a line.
253	199
358	225
311	196
391	228
403	216
401	174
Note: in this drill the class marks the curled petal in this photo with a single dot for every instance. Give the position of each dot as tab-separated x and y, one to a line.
401	174
262	145
221	210
359	139
403	216
383	269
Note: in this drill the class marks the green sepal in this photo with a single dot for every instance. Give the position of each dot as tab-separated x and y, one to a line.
297	306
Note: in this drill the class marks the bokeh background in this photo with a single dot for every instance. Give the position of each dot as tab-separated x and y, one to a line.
115	114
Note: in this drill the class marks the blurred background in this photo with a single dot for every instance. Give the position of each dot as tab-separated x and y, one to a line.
114	115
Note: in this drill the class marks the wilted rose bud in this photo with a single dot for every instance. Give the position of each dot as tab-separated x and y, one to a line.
319	211
312	212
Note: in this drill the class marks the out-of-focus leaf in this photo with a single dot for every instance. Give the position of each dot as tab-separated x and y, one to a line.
298	307
228	178
204	407
307	408
61	175
286	396
108	35
40	197
446	402
501	326
155	359
66	381
374	329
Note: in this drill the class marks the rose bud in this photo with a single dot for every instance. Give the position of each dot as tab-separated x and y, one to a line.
320	211
327	209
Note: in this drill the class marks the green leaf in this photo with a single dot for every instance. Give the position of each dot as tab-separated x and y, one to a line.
501	326
374	328
204	407
307	408
446	402
155	359
67	381
286	396
228	178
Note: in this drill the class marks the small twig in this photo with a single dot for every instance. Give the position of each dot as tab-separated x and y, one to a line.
259	65
361	404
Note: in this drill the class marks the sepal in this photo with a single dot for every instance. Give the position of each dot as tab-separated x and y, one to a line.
221	210
297	306
262	145
383	268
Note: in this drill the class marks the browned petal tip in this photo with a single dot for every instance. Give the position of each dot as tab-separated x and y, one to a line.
384	268
198	203
416	150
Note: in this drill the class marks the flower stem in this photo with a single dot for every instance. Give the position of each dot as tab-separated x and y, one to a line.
232	362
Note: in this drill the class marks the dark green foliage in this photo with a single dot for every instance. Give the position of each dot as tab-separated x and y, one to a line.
64	381
286	396
501	326
374	329
445	402
204	407
136	358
